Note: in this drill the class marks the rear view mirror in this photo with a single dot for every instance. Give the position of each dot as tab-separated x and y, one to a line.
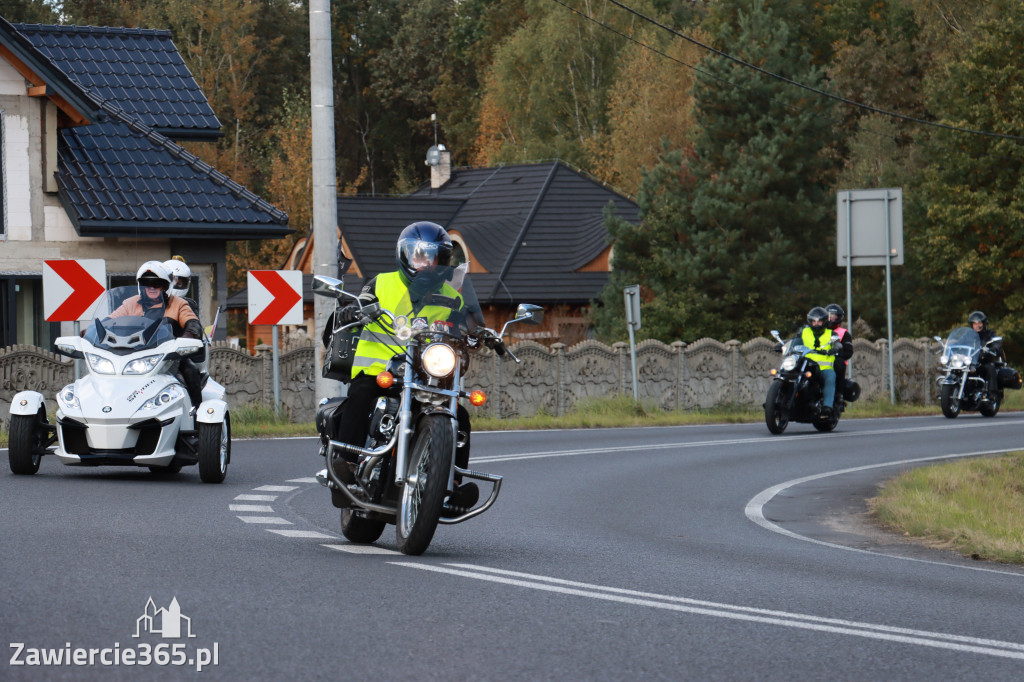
327	286
529	313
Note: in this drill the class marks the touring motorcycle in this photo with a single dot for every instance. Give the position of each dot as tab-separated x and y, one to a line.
796	391
129	409
961	386
406	471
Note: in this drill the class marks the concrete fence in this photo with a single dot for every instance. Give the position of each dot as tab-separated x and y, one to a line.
553	379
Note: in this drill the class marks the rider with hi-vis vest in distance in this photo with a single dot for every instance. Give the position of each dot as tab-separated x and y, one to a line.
803	388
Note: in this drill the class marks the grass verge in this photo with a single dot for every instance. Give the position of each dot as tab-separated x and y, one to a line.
974	506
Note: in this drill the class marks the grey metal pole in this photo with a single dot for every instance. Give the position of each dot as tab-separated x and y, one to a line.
632	356
277	378
325	204
849	274
888	294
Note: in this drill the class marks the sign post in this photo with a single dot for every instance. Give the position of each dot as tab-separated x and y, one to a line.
275	297
870	232
632	299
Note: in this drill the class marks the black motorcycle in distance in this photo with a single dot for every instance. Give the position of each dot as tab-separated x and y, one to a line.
961	386
796	391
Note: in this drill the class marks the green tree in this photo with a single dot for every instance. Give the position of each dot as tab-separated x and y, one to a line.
737	238
974	185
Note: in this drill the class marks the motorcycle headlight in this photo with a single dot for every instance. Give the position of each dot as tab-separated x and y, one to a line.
142	365
438	360
943	360
100	364
165	397
67	397
789	363
958	361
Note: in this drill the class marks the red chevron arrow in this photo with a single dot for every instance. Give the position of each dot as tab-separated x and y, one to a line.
285	297
85	290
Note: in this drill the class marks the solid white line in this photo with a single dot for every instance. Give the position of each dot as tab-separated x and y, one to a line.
277	488
301	534
755	507
361	549
256	498
868	630
270	520
250	508
734	441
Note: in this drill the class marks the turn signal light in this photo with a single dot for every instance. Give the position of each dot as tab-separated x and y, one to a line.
808	374
774	372
477	398
385	379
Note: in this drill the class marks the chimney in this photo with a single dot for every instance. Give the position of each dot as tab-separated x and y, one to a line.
440	161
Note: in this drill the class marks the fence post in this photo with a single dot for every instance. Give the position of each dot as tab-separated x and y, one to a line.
678	347
263	352
734	354
559	351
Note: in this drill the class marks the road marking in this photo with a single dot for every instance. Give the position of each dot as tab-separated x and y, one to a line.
256	498
361	549
755	507
939	640
987	424
271	520
277	488
302	534
308	479
250	508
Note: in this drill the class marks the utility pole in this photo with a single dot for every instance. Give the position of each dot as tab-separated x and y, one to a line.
325	194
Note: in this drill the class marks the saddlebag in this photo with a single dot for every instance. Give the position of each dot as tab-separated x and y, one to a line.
1009	378
851	391
341	351
328	414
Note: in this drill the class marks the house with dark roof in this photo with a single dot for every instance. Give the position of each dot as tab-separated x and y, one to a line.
532	233
90	120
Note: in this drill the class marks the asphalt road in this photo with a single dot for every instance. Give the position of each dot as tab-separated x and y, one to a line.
711	552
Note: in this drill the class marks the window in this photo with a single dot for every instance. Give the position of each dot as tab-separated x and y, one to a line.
21	313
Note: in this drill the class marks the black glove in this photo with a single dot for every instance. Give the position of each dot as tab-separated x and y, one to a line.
348	314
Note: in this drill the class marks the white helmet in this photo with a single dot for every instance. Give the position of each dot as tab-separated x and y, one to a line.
153	273
181	277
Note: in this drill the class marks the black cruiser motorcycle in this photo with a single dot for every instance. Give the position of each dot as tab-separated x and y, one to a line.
406	469
961	386
796	395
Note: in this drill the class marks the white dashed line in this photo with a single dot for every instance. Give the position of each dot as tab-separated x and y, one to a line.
361	549
256	498
277	488
269	520
251	508
302	534
308	479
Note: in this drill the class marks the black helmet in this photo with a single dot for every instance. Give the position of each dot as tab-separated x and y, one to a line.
976	316
837	310
422	245
817	314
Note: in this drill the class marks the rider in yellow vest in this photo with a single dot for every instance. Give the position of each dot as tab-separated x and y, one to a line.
818	337
419	291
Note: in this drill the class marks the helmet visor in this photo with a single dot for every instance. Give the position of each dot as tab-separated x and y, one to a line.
154	282
181	282
419	254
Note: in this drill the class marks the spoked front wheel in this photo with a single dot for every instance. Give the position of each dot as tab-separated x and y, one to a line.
949	402
426	482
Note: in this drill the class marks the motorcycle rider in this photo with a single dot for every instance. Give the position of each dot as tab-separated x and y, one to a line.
818	337
181	281
835	320
988	364
419	291
153	301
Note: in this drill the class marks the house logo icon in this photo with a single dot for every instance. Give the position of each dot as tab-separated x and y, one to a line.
168	623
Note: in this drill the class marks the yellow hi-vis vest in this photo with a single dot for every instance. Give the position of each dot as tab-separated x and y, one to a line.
377	345
823	342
